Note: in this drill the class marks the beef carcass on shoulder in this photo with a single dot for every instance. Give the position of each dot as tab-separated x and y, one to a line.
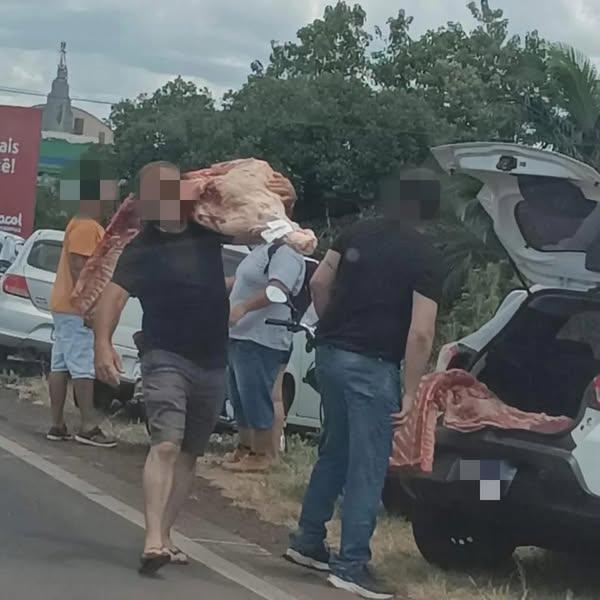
244	199
235	199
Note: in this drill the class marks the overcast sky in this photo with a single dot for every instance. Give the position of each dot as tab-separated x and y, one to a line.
120	48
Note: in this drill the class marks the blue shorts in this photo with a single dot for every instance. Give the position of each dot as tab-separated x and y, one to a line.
73	349
253	370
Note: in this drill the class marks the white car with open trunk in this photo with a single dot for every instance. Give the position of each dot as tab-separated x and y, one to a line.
539	353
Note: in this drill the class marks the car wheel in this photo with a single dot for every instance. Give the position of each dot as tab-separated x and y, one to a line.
452	539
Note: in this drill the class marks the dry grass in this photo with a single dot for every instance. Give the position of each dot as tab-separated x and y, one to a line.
535	575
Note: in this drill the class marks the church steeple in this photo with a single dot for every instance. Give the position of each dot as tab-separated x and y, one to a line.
57	115
62	71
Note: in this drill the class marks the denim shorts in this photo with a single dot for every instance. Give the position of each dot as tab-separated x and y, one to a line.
253	369
73	348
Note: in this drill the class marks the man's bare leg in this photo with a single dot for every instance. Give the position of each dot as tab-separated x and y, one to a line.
244	447
159	474
84	390
185	471
57	386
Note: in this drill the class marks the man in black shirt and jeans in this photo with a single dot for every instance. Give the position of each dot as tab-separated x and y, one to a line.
175	268
376	294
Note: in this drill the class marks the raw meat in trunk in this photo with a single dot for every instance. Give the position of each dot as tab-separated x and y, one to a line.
467	405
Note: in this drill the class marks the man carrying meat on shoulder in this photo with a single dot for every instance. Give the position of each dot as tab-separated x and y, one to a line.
376	294
175	268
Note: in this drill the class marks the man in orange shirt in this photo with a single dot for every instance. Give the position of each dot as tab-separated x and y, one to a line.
73	349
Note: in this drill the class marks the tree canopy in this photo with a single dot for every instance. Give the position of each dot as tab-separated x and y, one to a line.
341	107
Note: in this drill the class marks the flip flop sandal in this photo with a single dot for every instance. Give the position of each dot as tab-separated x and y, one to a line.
151	562
178	556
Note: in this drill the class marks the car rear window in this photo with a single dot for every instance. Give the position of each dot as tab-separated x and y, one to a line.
45	255
556	216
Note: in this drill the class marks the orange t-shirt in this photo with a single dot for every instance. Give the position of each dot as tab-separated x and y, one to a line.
81	237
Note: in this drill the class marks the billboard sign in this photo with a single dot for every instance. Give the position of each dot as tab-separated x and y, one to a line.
20	132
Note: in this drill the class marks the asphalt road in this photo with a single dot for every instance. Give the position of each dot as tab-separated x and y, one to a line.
58	545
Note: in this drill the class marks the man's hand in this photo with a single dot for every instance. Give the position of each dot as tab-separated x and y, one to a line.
400	418
108	365
236	314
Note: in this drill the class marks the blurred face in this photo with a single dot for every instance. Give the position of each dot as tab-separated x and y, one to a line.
91	209
96	197
160	195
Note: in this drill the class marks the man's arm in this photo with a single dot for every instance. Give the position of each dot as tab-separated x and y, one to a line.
418	349
229	281
253	303
321	284
109	309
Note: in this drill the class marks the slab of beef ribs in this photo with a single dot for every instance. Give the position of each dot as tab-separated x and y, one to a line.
466	405
99	268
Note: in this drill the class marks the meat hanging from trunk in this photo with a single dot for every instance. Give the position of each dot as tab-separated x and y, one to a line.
467	405
235	198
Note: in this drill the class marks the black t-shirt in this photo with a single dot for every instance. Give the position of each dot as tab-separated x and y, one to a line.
179	280
383	263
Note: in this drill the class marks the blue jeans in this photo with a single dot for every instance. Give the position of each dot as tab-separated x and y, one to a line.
253	369
359	396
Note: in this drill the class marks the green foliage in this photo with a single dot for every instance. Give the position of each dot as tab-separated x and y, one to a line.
338	113
50	213
475	80
338	43
335	137
485	288
568	117
177	123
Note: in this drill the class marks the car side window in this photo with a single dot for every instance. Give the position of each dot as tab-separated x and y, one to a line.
231	261
45	255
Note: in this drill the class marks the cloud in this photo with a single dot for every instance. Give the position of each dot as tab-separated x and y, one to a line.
121	48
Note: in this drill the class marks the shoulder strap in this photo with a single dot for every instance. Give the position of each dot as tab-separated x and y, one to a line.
270	253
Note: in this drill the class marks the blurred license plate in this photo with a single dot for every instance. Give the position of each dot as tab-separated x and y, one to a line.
495	476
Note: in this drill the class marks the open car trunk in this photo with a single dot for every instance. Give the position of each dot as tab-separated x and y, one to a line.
547	356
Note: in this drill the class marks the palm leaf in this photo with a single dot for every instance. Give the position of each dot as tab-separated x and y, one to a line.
579	85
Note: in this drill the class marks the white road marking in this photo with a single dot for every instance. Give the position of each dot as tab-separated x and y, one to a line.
199	553
235	544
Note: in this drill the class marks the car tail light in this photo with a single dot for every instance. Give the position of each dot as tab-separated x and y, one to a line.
16	285
447	354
